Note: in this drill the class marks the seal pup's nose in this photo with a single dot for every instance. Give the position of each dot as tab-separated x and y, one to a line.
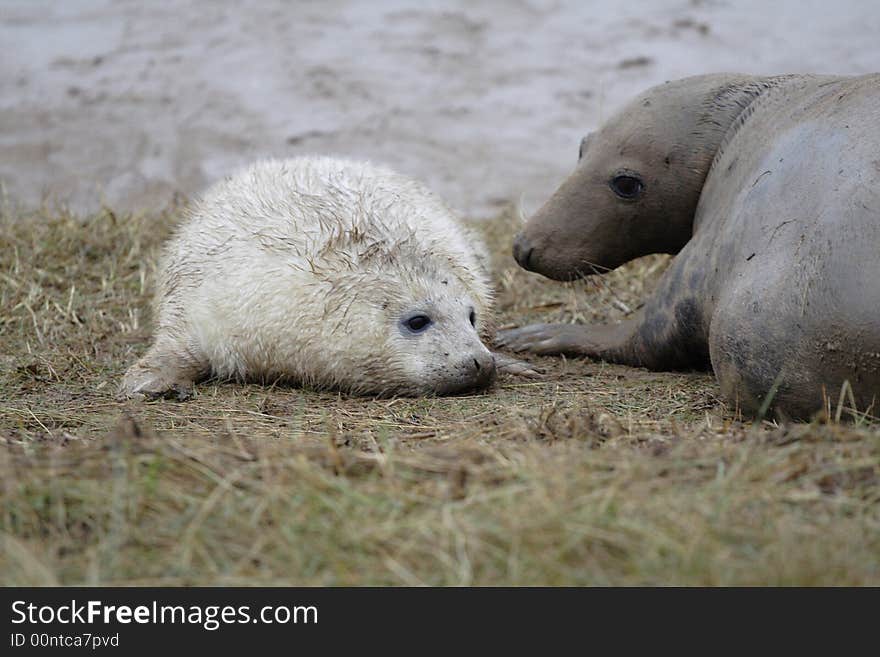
482	368
522	251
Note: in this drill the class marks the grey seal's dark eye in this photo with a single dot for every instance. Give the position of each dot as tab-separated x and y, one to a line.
473	317
417	323
626	186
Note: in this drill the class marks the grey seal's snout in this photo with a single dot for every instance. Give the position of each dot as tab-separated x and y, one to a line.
522	251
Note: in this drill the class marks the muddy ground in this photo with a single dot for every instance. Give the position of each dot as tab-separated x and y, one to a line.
125	103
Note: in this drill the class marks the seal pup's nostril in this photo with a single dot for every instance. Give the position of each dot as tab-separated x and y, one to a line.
482	369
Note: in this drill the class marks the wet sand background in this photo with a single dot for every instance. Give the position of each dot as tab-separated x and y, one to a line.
127	104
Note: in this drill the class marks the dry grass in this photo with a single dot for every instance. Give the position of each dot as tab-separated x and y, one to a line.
595	474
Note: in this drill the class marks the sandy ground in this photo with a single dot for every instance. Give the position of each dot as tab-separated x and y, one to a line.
126	104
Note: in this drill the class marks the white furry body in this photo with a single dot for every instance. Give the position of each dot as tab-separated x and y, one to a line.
300	270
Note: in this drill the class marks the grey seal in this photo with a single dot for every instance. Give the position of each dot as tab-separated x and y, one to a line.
768	191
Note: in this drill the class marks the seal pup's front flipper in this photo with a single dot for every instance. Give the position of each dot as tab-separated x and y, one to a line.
166	371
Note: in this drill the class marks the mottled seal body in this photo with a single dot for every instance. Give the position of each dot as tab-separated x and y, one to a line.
322	272
769	191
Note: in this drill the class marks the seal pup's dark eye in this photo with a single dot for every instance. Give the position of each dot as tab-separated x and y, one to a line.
417	323
473	317
626	186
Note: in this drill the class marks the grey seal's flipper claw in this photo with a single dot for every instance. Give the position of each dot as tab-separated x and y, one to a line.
508	365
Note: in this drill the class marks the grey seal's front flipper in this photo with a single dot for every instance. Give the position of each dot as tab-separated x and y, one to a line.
604	342
509	365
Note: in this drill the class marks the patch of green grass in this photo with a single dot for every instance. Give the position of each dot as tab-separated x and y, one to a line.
594	474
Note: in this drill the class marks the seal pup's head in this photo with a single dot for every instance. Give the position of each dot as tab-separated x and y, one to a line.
638	180
435	335
403	321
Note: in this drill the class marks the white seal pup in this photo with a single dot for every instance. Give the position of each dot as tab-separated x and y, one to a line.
321	272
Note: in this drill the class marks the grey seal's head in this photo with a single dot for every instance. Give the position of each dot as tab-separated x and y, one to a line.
637	182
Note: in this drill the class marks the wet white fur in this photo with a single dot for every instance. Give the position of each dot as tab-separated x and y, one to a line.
302	269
